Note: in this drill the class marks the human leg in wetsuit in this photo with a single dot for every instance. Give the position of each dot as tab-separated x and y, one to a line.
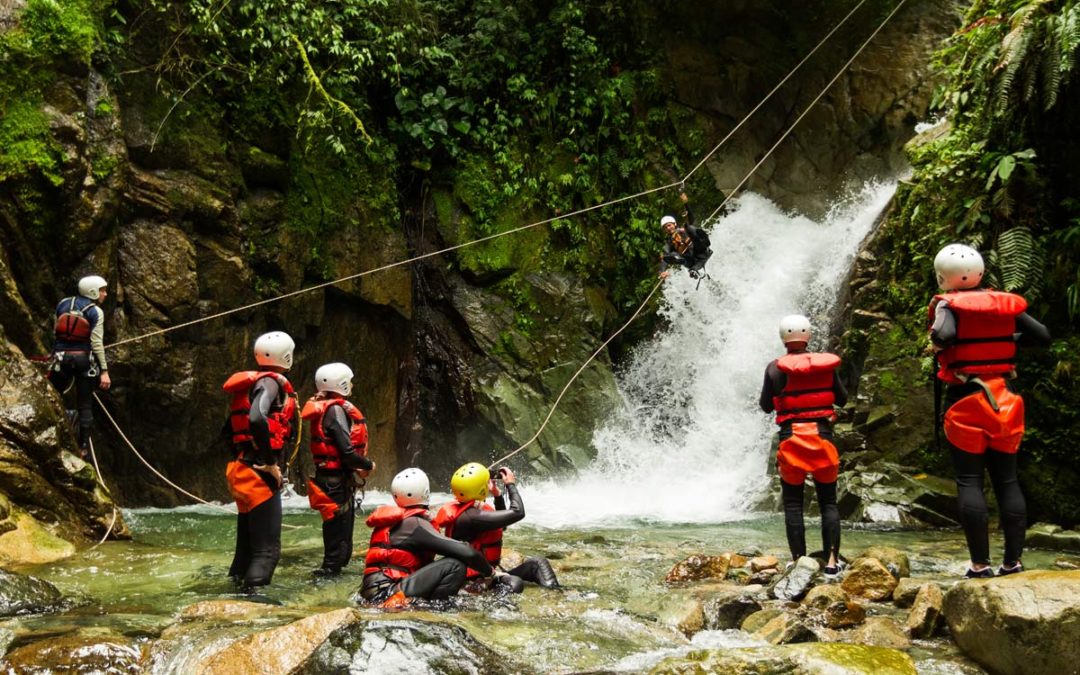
536	570
436	581
337	531
76	367
974	514
258	527
792	497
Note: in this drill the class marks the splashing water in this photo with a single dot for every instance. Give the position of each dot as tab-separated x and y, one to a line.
690	443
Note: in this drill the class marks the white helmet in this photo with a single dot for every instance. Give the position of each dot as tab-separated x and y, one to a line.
667	219
335	377
274	349
90	287
411	488
795	328
958	267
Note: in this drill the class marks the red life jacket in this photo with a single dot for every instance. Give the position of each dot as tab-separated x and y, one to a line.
280	422
489	543
808	394
681	241
985	326
323	450
395	563
72	325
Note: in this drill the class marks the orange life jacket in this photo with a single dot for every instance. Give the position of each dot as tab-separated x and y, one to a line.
323	450
395	563
808	393
681	240
280	422
489	543
985	326
71	325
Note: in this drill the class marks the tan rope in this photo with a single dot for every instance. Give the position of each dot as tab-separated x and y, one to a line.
808	109
579	371
101	482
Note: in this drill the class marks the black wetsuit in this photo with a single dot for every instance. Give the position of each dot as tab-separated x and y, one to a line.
435	581
970	467
339	485
258	532
694	257
474	522
81	363
791	495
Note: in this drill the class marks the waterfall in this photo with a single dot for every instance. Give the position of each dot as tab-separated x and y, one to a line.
689	443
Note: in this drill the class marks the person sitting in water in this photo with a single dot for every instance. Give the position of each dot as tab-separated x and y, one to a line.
400	562
687	245
802	387
472	520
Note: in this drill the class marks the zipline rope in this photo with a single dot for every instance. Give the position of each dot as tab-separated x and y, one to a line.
808	109
515	230
713	215
101	482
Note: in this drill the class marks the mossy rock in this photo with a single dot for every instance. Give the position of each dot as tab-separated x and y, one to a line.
800	659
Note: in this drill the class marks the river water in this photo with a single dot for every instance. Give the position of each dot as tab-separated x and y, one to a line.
679	466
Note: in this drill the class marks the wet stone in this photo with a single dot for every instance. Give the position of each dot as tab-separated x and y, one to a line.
755	621
869	578
895	560
728	609
840	615
698	567
822	596
797	581
763	563
785	629
925	616
21	594
76	654
880	631
906	590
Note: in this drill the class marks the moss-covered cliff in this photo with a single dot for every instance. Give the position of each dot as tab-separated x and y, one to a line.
204	155
998	172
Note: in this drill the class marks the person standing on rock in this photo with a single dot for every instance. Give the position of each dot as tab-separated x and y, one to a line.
399	563
802	387
262	423
78	354
339	445
687	245
472	520
974	334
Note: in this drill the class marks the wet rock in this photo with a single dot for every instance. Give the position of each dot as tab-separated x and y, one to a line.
800	659
764	577
279	650
784	629
763	563
686	617
868	578
824	595
894	559
698	567
1067	563
400	646
840	615
21	594
925	616
739	575
1024	623
738	561
728	609
757	620
906	590
884	493
76	654
1053	537
796	582
880	631
228	610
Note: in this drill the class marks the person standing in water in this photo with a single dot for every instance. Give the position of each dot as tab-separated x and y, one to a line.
472	520
802	387
974	334
79	351
339	446
262	423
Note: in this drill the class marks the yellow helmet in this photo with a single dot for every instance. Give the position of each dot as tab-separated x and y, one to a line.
470	482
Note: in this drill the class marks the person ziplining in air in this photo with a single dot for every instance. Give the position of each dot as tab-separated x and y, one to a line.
686	245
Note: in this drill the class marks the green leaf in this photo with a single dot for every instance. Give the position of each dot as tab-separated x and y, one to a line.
1005	167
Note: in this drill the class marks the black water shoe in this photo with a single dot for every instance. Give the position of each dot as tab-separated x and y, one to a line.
1016	568
984	573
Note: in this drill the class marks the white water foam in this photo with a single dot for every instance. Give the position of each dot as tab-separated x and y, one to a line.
690	444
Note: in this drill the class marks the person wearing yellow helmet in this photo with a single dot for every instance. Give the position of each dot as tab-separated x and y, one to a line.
472	520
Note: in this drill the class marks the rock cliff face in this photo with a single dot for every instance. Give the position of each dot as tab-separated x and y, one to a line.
187	218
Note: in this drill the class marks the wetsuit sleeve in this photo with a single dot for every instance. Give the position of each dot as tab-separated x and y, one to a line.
768	388
97	337
688	216
263	395
839	390
424	537
943	331
475	521
336	426
1032	333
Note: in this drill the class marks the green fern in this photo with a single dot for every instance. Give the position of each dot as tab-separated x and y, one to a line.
1020	261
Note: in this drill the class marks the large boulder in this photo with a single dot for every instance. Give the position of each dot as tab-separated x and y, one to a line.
797	581
887	494
21	594
925	616
868	578
801	659
76	654
728	608
1024	623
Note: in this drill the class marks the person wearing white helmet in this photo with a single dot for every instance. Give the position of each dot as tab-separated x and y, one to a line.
974	333
79	350
400	563
339	449
687	245
262	424
803	387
